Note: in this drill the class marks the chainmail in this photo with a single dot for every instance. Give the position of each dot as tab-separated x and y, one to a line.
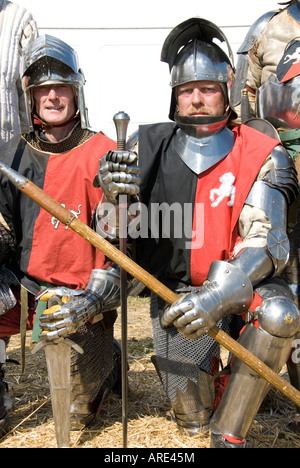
7	244
76	137
91	370
179	359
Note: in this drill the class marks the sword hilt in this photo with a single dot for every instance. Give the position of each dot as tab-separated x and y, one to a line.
121	120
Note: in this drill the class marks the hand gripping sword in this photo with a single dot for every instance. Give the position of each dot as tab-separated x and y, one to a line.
69	219
121	120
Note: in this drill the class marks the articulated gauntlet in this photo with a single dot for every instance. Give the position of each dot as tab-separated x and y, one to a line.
227	291
73	309
119	177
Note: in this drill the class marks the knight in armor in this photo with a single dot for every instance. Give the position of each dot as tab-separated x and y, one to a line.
266	86
219	237
42	258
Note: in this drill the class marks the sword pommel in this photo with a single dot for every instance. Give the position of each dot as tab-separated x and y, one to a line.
121	120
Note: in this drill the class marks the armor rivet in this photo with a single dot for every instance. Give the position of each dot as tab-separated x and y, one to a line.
289	319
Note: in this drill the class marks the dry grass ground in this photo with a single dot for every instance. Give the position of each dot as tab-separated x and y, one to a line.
149	419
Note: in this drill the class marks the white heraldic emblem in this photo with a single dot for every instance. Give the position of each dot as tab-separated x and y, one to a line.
226	190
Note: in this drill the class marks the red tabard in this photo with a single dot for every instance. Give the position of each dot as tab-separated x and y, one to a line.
229	181
59	255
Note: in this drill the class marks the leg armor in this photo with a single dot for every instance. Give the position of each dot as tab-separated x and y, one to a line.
291	274
185	368
95	372
270	339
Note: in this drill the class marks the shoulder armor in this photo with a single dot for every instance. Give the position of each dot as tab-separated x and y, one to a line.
242	62
263	126
255	30
284	175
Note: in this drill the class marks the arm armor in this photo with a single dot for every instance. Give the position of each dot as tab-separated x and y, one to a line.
242	62
229	285
272	194
102	295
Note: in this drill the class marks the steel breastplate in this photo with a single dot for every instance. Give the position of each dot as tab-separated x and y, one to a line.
200	154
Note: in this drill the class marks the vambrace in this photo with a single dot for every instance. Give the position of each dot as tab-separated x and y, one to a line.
272	195
106	284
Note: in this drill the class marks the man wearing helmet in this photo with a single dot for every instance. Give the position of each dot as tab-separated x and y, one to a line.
232	214
266	85
60	155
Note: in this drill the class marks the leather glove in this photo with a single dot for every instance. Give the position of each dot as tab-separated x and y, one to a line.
118	174
227	291
72	309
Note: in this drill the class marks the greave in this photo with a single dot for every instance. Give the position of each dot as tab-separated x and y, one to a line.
246	391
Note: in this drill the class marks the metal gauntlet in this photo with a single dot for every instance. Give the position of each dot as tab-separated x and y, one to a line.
227	291
118	174
101	295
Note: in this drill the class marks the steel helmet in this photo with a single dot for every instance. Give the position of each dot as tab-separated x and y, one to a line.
49	60
193	55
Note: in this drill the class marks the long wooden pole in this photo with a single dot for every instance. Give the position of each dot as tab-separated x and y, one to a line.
67	218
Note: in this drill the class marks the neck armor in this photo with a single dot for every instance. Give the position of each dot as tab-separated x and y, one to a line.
201	127
200	154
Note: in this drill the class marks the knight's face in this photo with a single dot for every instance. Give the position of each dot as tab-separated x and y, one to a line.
200	98
55	104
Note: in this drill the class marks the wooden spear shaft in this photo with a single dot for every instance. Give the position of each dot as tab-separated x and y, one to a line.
67	218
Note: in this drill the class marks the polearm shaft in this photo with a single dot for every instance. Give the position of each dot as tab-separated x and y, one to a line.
67	218
121	120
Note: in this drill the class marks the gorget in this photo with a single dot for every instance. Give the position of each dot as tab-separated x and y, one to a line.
76	137
294	11
200	154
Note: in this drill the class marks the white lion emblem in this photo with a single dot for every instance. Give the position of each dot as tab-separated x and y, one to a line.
295	56
226	190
